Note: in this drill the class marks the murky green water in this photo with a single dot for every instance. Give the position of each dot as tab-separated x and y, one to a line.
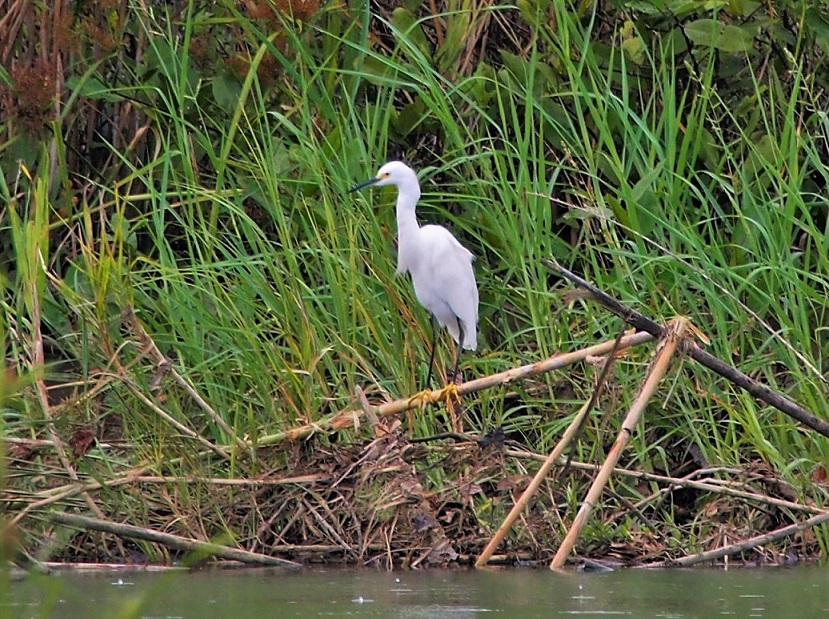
785	593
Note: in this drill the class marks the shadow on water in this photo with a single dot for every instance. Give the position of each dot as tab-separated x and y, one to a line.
243	594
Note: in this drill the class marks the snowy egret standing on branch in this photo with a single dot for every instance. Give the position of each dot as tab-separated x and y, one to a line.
441	267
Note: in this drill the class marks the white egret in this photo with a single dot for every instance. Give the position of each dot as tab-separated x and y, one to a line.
441	268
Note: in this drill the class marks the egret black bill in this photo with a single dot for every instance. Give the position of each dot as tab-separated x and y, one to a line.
364	184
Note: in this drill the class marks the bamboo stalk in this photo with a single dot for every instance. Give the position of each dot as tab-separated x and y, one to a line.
668	346
343	419
569	435
748	544
755	388
535	484
167	539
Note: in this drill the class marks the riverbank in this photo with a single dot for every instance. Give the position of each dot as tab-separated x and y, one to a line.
191	294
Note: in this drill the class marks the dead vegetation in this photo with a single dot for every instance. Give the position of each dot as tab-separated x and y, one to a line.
377	502
388	500
331	489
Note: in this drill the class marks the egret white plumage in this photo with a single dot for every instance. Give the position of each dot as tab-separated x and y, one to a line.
441	268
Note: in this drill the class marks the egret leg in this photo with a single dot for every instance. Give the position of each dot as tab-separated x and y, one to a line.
432	354
458	353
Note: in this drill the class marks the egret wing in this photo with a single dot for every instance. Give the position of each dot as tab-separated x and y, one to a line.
447	280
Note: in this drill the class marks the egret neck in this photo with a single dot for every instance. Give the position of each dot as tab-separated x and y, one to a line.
407	227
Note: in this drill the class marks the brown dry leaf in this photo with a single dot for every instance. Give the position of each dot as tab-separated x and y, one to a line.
442	552
82	441
259	10
468	490
411	488
514	482
387	426
19	451
161	371
300	10
711	510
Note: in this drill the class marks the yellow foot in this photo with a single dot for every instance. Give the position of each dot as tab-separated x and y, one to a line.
450	394
420	399
453	406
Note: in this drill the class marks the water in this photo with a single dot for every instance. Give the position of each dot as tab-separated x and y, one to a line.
517	594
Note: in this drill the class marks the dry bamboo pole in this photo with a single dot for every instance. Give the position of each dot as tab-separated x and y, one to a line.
748	544
167	539
752	386
569	435
344	419
525	497
673	334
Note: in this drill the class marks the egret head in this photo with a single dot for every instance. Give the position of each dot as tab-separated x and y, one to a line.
392	173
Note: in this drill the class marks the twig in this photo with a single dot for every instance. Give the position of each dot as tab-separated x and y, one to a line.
344	419
315	478
755	388
169	540
140	478
437	23
323	548
677	482
715	486
171	420
168	367
327	528
662	359
55	495
61	566
753	542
